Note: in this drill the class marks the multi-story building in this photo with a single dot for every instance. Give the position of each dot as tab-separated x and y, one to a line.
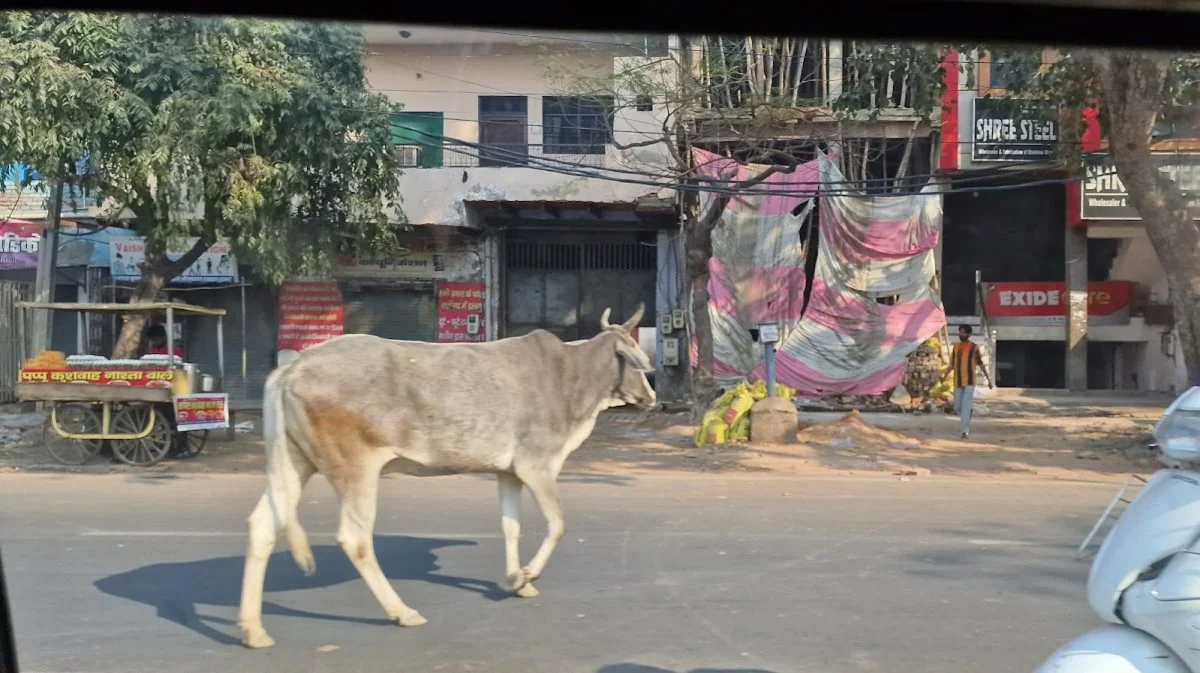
1022	234
516	184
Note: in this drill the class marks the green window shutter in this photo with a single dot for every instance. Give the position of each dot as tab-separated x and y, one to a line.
423	129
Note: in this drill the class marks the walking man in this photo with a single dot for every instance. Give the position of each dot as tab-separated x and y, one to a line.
964	360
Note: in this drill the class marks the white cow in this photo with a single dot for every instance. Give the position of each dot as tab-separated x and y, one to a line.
358	404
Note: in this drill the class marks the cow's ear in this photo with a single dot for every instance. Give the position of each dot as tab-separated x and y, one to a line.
634	356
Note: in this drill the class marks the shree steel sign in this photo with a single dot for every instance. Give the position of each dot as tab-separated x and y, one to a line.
1013	130
1104	196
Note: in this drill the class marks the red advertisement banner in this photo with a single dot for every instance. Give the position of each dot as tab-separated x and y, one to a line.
201	411
310	312
1044	299
140	378
460	305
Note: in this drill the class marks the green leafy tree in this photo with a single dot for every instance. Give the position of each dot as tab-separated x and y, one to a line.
259	132
1136	91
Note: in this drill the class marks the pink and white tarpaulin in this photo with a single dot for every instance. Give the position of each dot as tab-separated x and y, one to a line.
756	273
871	303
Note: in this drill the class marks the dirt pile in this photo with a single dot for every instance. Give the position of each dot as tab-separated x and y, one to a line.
852	433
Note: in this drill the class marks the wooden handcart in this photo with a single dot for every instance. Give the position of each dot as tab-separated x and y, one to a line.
142	409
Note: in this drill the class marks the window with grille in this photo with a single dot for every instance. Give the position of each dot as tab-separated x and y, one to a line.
576	124
574	256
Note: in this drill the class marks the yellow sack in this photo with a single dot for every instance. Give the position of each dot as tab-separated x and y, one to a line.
738	408
740	431
700	436
716	432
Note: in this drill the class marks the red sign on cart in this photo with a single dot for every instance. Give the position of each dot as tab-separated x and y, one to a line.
310	312
140	378
201	411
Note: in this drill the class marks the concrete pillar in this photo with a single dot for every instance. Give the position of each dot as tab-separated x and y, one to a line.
1077	308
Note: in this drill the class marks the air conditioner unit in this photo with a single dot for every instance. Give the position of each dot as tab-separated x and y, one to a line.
409	155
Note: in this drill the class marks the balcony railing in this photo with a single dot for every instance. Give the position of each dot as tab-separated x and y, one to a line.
457	155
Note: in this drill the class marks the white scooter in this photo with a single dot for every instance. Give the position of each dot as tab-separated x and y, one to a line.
1145	579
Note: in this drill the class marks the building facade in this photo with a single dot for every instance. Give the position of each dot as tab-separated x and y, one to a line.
513	186
1027	244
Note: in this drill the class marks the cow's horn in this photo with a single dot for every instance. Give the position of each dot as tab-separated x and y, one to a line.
632	323
604	324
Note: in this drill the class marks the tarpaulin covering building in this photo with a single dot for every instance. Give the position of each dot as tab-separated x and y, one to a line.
871	303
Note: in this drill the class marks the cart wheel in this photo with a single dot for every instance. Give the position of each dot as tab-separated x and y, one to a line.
191	443
77	418
130	420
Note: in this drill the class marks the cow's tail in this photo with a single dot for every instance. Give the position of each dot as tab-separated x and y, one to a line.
283	477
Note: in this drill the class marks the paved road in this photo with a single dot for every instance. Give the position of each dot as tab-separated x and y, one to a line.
120	574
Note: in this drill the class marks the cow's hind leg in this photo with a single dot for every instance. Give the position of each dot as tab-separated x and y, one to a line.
275	511
510	521
544	486
355	535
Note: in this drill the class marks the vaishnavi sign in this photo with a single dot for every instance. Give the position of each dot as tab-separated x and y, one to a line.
217	266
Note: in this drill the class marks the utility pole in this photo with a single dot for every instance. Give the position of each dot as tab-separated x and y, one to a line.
43	288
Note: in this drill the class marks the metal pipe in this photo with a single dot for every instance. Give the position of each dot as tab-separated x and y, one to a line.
221	349
170	337
769	356
245	356
978	284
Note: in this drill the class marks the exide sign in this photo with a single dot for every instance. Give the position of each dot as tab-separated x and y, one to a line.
1046	302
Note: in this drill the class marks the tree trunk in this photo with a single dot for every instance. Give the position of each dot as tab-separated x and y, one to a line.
133	325
1133	87
157	271
698	243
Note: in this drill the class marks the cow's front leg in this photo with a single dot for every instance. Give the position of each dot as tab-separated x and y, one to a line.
510	521
544	486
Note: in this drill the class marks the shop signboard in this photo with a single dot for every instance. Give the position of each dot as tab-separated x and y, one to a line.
460	312
201	411
19	243
1104	196
1045	303
310	312
217	266
1013	130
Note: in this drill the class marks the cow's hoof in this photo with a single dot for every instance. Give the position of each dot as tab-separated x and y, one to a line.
256	640
527	591
413	618
517	580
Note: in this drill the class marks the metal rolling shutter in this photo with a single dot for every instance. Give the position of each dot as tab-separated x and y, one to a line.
406	314
260	325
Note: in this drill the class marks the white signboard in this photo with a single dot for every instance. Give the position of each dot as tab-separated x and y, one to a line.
768	333
412	265
215	267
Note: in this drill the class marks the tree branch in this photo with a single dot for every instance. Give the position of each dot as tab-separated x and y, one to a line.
174	268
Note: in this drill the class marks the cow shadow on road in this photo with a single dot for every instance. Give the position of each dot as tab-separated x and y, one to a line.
175	590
